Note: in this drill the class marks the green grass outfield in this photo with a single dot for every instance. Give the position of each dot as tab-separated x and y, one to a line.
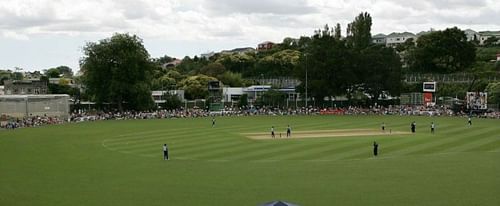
120	163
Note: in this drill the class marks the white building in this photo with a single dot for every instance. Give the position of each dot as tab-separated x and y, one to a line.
395	39
233	94
158	95
485	35
255	91
379	39
471	35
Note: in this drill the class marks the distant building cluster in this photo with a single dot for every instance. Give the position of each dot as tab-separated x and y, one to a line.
264	46
22	87
394	39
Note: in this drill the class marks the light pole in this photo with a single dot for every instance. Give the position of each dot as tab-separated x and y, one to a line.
306	80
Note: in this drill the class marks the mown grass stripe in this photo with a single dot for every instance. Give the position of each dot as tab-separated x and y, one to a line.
234	153
462	143
309	148
436	142
180	138
280	149
177	132
181	142
392	148
492	146
217	151
193	154
475	144
195	145
344	149
418	139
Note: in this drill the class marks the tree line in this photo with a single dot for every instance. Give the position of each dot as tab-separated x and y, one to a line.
119	69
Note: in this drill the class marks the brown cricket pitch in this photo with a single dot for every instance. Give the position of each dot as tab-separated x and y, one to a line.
324	133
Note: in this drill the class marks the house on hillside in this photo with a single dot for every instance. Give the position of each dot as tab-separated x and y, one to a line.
171	64
20	87
62	81
471	35
159	96
36	75
379	39
239	51
207	55
395	39
264	46
485	35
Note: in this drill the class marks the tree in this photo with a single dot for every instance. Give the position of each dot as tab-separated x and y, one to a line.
213	69
52	73
493	90
243	102
289	43
163	60
118	70
279	64
60	71
491	42
328	64
445	51
63	89
171	101
380	71
191	66
240	63
65	71
232	79
407	45
163	83
196	87
5	75
359	31
273	98
338	32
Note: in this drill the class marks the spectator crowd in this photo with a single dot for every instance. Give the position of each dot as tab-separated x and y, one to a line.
84	116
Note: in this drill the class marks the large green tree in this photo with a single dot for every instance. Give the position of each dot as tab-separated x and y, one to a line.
445	51
118	70
240	63
279	64
359	31
354	65
52	73
380	71
5	75
196	87
493	90
327	63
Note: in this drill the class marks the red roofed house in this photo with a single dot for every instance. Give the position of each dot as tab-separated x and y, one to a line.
265	46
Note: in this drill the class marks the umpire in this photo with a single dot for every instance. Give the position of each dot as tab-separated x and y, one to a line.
375	149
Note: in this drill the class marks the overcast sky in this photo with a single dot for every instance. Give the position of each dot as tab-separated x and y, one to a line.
39	34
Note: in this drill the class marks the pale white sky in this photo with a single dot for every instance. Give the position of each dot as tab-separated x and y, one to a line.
39	34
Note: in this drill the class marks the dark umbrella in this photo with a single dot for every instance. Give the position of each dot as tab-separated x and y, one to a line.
278	203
